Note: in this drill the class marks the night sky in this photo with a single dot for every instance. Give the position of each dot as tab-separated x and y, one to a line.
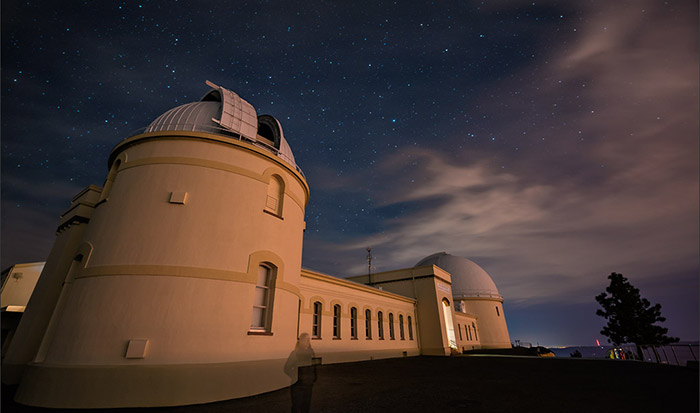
550	142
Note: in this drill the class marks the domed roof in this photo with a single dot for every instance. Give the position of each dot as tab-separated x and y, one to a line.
222	112
195	116
468	279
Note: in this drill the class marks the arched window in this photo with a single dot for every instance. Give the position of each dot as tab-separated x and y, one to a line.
275	196
410	329
391	327
316	326
368	324
401	327
380	325
264	296
475	336
469	334
336	321
459	327
353	323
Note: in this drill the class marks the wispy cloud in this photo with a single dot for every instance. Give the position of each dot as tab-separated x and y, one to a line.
557	220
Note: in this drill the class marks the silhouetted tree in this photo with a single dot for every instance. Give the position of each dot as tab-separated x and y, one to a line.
630	317
576	354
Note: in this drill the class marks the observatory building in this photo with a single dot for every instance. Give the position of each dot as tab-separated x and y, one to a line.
180	280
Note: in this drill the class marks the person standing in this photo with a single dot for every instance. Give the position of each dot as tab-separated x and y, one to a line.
300	364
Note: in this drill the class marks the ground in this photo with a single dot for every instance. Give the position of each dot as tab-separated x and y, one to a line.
473	384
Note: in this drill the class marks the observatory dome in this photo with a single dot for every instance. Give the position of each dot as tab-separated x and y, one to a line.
468	279
222	112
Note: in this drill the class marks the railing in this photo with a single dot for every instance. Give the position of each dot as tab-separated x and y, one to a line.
674	354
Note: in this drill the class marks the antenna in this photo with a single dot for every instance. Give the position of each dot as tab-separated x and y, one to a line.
369	264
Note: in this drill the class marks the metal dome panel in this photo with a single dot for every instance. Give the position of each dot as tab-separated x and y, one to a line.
237	115
195	116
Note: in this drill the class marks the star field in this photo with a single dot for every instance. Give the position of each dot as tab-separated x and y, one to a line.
551	142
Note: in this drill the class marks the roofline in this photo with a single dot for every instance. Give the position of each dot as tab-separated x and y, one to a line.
433	270
352	284
195	135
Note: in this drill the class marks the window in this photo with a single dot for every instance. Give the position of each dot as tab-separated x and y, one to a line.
316	326
459	327
353	323
275	195
469	335
391	327
497	313
475	336
264	295
401	327
380	325
336	321
410	329
368	324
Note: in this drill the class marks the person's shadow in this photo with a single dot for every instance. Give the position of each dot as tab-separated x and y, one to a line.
300	367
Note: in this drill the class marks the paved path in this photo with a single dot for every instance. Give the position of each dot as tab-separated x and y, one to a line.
473	384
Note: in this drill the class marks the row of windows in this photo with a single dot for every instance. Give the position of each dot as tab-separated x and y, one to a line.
316	323
468	332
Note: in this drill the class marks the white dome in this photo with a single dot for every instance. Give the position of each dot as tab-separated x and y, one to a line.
223	112
468	279
195	116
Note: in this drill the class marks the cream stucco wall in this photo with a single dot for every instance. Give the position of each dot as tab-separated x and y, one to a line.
493	330
180	276
19	284
331	291
35	320
429	285
466	331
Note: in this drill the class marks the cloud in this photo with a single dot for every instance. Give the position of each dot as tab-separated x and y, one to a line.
613	188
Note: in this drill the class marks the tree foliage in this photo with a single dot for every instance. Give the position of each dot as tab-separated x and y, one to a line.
630	317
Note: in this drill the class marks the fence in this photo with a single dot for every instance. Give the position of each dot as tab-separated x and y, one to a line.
674	354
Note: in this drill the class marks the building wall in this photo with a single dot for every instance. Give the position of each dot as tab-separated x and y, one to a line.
177	279
331	291
40	308
466	331
493	330
19	283
17	287
429	285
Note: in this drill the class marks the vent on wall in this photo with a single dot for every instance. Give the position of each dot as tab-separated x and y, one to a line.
136	349
179	197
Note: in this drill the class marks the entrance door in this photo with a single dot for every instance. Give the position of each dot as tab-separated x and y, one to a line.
448	323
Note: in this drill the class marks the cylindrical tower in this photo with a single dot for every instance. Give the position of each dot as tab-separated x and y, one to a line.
185	288
477	292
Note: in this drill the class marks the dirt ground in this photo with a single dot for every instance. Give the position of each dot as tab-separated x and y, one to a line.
471	384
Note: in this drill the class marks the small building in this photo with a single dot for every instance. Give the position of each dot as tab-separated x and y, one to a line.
18	282
179	281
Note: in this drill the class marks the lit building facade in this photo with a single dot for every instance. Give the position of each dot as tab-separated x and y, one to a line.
180	280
